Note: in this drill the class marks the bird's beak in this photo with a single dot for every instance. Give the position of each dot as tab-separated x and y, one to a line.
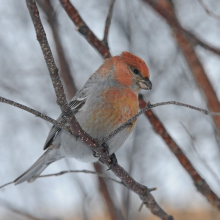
145	84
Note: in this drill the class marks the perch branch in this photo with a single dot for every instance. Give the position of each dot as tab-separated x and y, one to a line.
34	112
53	70
65	71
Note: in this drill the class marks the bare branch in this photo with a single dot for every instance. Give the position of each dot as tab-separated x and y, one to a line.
53	70
65	71
83	29
6	184
34	112
82	171
205	7
108	23
150	106
196	41
72	171
199	182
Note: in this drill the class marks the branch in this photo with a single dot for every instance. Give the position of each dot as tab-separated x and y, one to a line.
65	71
34	112
107	24
196	41
150	106
83	29
199	182
82	171
53	70
166	10
72	171
208	11
76	132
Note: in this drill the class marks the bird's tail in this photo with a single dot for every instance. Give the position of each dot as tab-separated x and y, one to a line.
38	167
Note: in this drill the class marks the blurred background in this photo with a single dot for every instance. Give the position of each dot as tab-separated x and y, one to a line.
136	27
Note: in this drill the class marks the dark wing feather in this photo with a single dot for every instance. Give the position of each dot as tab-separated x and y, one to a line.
76	104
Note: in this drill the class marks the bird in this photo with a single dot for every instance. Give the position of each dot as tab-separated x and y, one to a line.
108	99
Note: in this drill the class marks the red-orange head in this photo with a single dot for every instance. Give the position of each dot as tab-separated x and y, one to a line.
139	68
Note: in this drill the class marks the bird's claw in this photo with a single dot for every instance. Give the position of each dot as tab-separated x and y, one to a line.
113	161
105	151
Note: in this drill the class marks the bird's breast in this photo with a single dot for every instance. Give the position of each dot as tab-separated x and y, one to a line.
107	110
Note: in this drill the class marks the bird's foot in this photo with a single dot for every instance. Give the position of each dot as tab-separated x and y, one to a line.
113	161
105	148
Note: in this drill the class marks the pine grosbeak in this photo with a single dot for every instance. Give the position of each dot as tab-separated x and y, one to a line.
107	100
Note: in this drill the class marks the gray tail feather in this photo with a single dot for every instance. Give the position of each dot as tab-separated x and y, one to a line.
34	171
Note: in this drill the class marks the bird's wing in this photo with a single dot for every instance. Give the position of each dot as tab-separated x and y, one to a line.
76	105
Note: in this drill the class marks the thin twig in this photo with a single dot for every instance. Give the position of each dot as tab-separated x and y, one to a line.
6	184
82	171
34	112
108	23
150	106
71	171
209	12
48	56
198	181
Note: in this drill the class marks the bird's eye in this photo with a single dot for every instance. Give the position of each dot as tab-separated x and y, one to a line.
135	71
